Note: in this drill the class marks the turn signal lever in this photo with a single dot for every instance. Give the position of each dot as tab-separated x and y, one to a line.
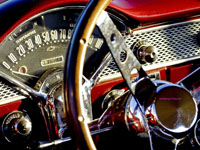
145	52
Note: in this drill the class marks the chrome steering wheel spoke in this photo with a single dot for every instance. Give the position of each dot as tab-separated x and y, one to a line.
118	49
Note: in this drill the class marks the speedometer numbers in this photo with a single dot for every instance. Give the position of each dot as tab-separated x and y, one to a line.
40	44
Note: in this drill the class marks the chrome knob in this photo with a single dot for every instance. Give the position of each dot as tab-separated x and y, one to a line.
145	52
23	126
17	127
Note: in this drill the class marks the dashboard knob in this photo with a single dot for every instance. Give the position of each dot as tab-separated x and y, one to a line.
145	52
23	126
17	127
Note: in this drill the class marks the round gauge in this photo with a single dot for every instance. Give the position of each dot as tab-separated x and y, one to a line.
40	44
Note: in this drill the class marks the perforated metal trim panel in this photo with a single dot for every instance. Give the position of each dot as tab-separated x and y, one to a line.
175	43
8	94
6	91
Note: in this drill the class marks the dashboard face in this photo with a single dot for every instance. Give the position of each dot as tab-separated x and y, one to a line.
40	44
32	58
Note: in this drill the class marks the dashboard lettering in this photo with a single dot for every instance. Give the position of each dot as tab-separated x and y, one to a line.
58	77
72	25
62	34
6	65
46	36
13	116
25	36
54	34
99	43
21	50
12	57
69	34
91	40
38	39
29	44
52	61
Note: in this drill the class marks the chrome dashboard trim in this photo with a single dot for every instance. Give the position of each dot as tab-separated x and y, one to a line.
113	73
177	43
160	27
12	99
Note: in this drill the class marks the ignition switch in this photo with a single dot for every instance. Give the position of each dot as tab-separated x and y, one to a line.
17	127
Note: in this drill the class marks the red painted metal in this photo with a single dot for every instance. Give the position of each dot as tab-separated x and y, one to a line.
7	108
145	11
177	73
102	88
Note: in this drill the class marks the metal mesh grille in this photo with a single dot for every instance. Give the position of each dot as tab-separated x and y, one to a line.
7	92
174	43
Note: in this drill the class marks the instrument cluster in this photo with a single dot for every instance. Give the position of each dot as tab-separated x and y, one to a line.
33	57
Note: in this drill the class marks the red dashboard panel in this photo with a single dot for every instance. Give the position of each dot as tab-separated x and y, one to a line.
146	11
6	108
143	11
157	10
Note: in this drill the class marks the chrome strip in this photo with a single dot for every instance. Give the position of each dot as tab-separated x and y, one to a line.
12	99
160	27
148	68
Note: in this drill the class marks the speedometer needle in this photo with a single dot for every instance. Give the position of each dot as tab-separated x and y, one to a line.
24	74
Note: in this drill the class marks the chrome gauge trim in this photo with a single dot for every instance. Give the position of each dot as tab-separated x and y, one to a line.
195	132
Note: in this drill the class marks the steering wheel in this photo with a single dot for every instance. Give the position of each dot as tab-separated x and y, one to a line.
74	70
73	79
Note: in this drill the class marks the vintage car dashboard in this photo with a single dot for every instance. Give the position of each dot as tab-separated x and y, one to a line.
31	66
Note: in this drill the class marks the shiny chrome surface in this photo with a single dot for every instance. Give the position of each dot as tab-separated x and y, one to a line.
17	127
197	132
135	117
174	112
175	43
179	47
117	48
123	109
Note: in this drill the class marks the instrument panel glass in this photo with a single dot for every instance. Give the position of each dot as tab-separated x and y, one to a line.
41	43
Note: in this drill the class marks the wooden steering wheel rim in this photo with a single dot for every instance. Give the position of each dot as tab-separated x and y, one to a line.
73	71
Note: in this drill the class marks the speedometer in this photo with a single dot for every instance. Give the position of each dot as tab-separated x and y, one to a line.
40	44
